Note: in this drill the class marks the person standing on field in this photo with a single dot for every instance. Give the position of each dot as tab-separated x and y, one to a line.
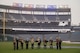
32	42
22	42
14	43
39	42
45	42
27	42
51	42
58	43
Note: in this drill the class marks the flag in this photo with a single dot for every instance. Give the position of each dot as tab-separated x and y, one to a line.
29	6
40	6
17	4
51	6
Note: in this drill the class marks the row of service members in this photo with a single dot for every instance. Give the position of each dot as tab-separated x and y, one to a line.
16	42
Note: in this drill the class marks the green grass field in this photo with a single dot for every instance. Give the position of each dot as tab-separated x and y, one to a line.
7	47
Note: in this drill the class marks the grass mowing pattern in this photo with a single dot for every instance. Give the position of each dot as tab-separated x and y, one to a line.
7	47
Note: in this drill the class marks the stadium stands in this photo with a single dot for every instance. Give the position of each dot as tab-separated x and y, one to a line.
40	22
64	17
51	17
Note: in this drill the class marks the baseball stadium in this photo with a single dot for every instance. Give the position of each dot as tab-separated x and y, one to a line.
38	21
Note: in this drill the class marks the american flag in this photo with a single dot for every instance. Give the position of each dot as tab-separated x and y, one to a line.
51	6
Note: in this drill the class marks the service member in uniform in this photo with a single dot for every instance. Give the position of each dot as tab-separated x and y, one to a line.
22	42
32	42
58	43
39	42
17	42
27	42
14	43
45	42
51	42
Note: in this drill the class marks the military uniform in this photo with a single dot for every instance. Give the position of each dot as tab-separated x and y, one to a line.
39	42
17	43
21	44
58	43
32	43
14	43
51	43
27	41
45	43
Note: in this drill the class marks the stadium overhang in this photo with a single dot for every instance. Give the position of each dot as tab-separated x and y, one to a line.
25	29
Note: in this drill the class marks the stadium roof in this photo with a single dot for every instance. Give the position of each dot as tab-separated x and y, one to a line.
34	9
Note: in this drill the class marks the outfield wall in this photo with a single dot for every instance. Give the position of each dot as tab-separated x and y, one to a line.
74	36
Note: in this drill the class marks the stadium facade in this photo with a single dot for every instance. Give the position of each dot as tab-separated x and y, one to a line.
37	22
